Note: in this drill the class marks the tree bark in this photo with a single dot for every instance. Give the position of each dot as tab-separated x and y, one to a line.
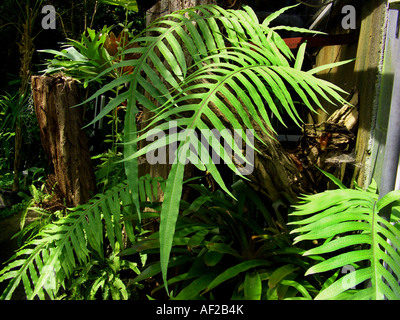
164	7
63	140
330	145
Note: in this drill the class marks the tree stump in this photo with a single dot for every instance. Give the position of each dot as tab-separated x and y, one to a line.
329	145
62	137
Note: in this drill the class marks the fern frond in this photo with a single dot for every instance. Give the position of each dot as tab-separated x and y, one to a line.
63	245
355	235
194	32
188	61
266	82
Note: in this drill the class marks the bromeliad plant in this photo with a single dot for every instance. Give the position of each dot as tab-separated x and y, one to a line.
83	60
353	235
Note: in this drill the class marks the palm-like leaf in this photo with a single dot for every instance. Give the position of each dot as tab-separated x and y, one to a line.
63	245
355	235
189	61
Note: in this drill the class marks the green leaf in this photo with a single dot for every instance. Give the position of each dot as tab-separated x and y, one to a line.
279	274
297	29
300	56
298	287
155	268
223	248
196	204
193	290
328	66
367	242
169	213
234	271
252	286
212	258
276	14
345	283
388	199
340	261
109	107
333	179
340	243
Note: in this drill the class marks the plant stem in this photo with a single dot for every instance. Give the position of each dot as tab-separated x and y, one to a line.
94	13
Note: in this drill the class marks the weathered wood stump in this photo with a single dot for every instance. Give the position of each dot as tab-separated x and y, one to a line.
62	137
330	146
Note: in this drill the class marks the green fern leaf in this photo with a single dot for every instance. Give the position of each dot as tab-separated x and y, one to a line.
276	14
67	243
349	220
200	57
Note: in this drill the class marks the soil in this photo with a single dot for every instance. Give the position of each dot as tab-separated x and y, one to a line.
8	227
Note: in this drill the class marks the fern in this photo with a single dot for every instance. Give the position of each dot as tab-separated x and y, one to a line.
62	246
354	234
239	58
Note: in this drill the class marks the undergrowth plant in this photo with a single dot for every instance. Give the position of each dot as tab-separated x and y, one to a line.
39	204
241	250
103	279
16	110
89	234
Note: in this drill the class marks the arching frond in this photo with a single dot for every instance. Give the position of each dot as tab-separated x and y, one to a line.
45	262
209	63
356	237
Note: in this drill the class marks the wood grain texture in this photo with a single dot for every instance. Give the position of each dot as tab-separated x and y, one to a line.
63	140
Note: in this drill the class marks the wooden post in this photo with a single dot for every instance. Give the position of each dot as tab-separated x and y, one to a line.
64	142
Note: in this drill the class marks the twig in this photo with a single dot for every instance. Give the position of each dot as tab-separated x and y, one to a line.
94	12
